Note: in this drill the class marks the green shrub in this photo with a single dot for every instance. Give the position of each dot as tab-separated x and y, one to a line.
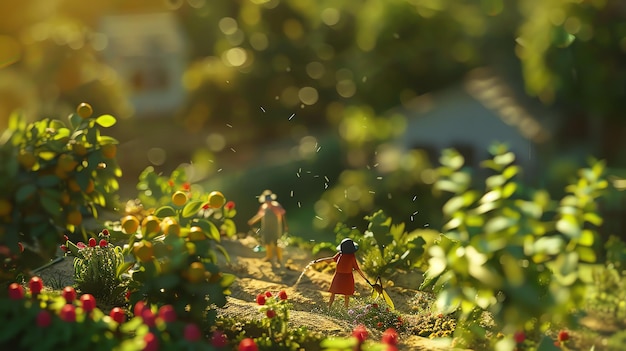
507	246
51	176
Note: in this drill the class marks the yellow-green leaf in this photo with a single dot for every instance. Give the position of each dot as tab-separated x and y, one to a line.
106	121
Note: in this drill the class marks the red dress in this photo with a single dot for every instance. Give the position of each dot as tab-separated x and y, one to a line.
343	281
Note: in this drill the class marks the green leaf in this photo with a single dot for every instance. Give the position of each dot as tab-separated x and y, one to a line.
106	121
568	225
24	192
497	224
165	211
51	205
593	218
586	254
48	181
227	280
504	159
191	208
123	268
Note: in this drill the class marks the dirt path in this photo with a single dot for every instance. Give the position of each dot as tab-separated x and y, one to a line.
309	297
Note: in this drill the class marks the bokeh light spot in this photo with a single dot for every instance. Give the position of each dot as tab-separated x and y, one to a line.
228	25
330	16
259	41
157	156
315	70
293	29
235	57
346	88
308	95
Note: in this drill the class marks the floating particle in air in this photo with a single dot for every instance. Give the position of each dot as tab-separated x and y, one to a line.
372	192
292	116
233	149
320	218
262	109
229	125
326	178
299	204
292	193
414	197
426	225
337	207
219	170
379	178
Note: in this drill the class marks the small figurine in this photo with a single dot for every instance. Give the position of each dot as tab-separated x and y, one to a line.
343	281
273	225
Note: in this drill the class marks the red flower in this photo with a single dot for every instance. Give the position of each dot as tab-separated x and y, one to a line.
192	332
247	344
379	324
152	342
563	336
219	339
268	294
43	319
360	333
282	295
186	186
270	313
69	294
260	299
66	238
170	183
519	337
118	315
229	205
63	248
103	243
36	285
88	302
105	232
16	291
68	313
390	337
81	245
92	242
167	313
375	305
205	206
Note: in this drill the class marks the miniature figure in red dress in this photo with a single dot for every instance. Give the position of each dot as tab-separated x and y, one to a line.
343	281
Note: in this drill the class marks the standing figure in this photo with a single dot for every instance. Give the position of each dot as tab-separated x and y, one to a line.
273	225
343	281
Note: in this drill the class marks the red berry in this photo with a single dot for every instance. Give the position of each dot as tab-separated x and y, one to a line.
16	291
192	332
167	313
360	333
270	313
247	344
88	302
282	295
43	319
379	324
219	339
103	243
69	294
36	285
268	294
229	205
563	335
92	242
68	313
118	315
519	337
152	342
19	244
63	248
390	337
260	299
140	306
149	318
81	245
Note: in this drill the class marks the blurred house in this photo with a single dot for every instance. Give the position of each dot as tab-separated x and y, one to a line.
149	52
472	116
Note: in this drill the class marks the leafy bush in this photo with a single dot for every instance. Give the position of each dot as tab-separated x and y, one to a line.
51	176
175	247
507	247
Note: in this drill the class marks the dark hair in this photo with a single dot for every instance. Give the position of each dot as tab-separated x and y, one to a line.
347	246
